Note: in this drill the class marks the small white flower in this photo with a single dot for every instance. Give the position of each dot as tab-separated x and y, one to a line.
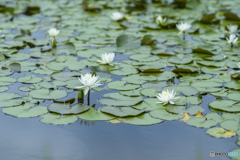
167	96
107	58
232	39
238	64
182	26
88	82
116	16
232	29
53	32
160	20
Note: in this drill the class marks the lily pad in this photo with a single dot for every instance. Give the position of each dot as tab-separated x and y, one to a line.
65	108
46	94
93	115
121	112
57	119
144	119
26	110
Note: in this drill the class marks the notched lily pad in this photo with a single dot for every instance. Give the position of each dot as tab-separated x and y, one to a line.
65	108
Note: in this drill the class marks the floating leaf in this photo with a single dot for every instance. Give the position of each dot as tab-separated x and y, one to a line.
65	108
46	94
26	110
144	119
93	115
56	119
220	132
163	114
121	112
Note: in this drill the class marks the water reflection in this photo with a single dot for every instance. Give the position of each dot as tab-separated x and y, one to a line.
87	123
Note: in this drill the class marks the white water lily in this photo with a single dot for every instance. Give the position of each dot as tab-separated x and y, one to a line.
183	26
232	29
53	32
238	64
232	39
160	20
107	58
89	81
116	16
167	96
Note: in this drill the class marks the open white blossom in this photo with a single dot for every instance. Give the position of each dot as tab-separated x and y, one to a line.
232	29
116	16
89	81
183	26
167	96
107	58
160	20
232	39
53	32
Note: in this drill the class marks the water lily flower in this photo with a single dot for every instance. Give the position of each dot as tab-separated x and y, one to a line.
232	39
167	96
238	64
116	16
232	29
89	81
107	58
183	27
53	32
160	20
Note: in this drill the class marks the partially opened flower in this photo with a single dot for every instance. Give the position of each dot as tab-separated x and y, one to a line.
232	29
53	32
116	16
238	64
160	20
232	39
167	97
107	58
89	81
183	27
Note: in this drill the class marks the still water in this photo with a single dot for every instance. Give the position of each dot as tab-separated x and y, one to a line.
29	139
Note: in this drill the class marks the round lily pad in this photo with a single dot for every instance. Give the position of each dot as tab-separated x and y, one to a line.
220	132
163	114
46	94
201	122
26	110
225	105
144	119
93	115
230	125
65	108
121	112
57	119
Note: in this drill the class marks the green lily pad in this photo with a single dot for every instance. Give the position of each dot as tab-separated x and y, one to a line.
163	114
57	119
120	85
65	108
220	132
144	119
46	94
225	105
26	110
93	115
230	125
121	112
201	122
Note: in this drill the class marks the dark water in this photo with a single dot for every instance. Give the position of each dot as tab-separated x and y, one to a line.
29	139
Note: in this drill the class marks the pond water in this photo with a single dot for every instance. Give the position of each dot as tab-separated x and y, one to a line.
44	118
29	139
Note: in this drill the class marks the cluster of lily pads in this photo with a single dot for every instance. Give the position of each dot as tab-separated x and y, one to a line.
160	76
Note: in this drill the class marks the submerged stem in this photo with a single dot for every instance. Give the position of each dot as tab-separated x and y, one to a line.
89	97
